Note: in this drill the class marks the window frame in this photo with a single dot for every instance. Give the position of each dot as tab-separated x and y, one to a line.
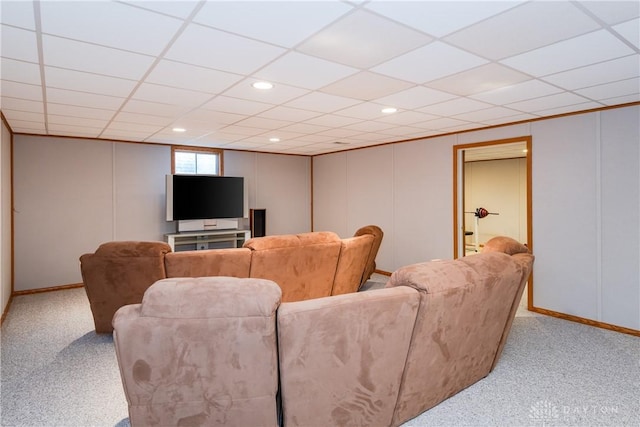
197	150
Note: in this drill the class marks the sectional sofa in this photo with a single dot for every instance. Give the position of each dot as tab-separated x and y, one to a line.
229	351
306	265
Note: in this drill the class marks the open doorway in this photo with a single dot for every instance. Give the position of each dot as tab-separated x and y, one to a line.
492	196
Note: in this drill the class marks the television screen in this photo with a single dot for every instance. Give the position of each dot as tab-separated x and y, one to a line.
204	197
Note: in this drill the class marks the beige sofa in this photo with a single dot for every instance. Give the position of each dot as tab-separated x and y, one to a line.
227	351
306	265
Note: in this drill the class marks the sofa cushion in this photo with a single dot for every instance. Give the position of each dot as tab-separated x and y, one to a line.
303	265
354	253
214	262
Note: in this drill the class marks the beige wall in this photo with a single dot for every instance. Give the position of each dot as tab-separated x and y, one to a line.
5	216
71	195
585	201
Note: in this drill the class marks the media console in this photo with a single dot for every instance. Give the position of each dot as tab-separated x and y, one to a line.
202	240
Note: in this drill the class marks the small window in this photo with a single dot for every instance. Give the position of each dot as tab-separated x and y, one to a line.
196	161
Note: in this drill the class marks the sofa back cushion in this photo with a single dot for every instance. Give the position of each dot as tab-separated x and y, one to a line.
214	262
464	309
303	265
354	253
117	274
341	358
200	351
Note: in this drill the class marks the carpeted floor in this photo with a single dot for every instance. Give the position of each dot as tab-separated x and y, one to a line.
57	372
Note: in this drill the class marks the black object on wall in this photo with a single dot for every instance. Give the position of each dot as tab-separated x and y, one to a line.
258	222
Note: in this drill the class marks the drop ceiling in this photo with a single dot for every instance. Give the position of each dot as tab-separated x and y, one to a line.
134	70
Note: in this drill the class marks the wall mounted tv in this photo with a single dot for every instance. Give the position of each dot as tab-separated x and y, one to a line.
192	197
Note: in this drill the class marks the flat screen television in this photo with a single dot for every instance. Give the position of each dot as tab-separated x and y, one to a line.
192	197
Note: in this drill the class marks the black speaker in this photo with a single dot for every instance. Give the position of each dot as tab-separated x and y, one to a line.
258	222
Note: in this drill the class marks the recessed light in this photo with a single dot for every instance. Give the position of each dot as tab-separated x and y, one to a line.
263	85
274	139
389	110
179	129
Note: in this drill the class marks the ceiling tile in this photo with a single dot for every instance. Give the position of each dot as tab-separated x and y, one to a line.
318	72
609	71
568	108
477	80
407	118
402	131
369	126
135	127
157	93
70	130
184	76
442	123
262	123
127	135
20	104
76	121
366	86
282	23
237	106
487	114
221	50
88	82
242	130
332	120
630	30
618	100
21	90
138	30
306	128
20	71
20	126
280	93
179	9
548	102
18	14
429	63
610	90
439	17
517	92
288	114
82	112
26	116
455	106
612	12
364	111
588	49
322	102
83	99
502	36
417	96
361	39
213	117
154	108
127	117
64	53
18	44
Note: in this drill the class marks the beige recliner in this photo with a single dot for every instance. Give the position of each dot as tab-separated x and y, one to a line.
377	234
117	274
200	351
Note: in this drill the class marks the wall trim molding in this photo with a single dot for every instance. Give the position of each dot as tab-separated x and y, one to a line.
585	321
